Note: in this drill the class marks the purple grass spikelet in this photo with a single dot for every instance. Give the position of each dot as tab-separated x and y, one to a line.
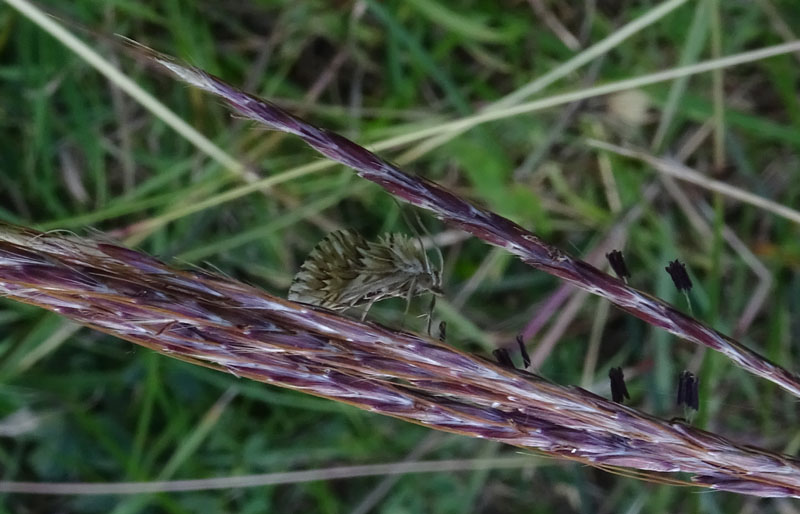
688	390
216	322
484	224
617	262
619	391
677	271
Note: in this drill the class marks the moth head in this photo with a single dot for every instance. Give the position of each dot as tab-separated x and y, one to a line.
432	276
432	281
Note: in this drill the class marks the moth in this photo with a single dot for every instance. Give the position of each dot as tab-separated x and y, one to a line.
346	270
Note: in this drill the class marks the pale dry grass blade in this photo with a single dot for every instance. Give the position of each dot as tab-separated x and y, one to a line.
588	55
682	172
162	112
123	82
552	22
263	479
500	110
469	122
503	108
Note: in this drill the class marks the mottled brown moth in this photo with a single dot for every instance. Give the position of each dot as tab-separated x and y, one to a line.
345	270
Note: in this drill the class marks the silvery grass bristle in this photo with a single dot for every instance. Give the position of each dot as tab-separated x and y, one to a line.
345	270
482	223
217	322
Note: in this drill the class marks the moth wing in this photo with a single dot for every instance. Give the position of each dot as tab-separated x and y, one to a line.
331	266
380	274
389	268
345	270
376	286
397	252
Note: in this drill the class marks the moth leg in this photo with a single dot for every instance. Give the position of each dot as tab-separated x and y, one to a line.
430	312
367	308
408	300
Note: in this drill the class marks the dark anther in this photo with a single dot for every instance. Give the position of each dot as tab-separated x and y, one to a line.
526	359
502	356
442	330
688	390
617	262
619	391
677	270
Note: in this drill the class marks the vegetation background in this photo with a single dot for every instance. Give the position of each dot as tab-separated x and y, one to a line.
78	154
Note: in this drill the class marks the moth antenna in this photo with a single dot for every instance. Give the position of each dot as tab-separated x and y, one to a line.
413	229
408	300
427	263
430	236
367	308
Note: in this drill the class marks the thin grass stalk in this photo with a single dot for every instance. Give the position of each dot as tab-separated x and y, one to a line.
482	223
217	322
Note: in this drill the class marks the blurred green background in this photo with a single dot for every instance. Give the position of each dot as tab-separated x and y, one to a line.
76	153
